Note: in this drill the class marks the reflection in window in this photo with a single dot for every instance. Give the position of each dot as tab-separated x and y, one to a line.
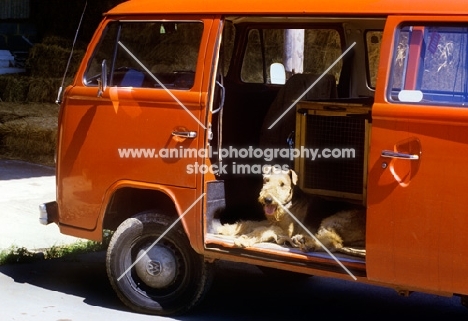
431	60
161	53
321	48
445	61
373	40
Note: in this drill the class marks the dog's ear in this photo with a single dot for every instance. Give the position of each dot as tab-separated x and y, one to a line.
294	177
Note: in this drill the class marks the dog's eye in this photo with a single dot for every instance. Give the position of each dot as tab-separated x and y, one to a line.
282	184
266	180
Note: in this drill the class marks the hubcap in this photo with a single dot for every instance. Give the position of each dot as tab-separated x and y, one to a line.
158	267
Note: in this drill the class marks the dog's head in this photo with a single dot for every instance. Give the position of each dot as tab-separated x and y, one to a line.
278	188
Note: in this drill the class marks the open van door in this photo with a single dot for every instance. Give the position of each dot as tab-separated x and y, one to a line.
133	102
417	221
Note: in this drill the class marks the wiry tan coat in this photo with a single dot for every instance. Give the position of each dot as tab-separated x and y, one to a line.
280	197
278	227
340	232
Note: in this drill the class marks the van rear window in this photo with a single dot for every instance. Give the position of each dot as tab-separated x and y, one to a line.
150	54
373	41
308	51
430	65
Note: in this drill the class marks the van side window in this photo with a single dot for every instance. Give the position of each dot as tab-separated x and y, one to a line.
227	46
373	40
147	54
312	51
430	65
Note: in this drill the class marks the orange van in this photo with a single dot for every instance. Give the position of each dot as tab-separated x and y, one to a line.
178	105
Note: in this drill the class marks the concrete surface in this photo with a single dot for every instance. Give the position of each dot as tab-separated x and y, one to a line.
62	289
23	186
76	288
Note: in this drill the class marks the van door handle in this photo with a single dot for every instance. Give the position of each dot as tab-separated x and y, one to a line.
392	154
188	134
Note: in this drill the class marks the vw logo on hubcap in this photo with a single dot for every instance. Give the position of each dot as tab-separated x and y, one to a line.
153	268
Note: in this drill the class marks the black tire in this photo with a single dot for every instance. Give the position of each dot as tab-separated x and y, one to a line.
171	277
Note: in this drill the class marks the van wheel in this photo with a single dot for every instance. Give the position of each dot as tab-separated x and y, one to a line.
170	278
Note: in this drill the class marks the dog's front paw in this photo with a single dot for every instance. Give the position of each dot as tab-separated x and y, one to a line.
284	240
297	241
304	243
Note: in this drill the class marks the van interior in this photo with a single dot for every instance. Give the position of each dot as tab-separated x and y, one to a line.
323	71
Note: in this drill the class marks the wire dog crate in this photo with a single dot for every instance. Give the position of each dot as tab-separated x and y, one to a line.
333	140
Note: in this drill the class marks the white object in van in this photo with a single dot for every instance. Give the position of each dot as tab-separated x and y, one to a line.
277	74
410	96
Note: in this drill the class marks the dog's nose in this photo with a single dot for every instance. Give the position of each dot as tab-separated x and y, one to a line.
268	200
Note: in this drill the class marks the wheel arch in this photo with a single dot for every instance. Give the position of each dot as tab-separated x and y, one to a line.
127	201
126	198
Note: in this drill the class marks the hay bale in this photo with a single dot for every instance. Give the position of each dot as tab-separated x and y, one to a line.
46	63
16	88
22	110
44	90
28	132
50	60
31	138
4	79
20	88
58	41
30	89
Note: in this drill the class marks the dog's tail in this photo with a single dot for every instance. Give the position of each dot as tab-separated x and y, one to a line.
352	251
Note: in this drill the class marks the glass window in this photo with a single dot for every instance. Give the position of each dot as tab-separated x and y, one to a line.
430	65
227	46
315	50
148	54
253	65
373	40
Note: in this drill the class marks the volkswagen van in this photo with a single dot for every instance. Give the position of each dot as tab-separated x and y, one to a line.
177	106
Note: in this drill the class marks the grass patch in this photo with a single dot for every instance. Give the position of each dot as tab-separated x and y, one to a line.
80	247
16	254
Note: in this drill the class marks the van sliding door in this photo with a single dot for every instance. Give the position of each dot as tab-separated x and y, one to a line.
417	208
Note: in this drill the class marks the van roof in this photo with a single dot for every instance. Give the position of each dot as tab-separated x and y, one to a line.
296	7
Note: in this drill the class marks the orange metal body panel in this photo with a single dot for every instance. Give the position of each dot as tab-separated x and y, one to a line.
417	227
299	7
93	130
417	219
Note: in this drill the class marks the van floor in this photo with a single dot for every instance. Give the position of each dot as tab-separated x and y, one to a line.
288	254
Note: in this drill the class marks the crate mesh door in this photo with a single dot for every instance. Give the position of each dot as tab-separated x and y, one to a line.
341	138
